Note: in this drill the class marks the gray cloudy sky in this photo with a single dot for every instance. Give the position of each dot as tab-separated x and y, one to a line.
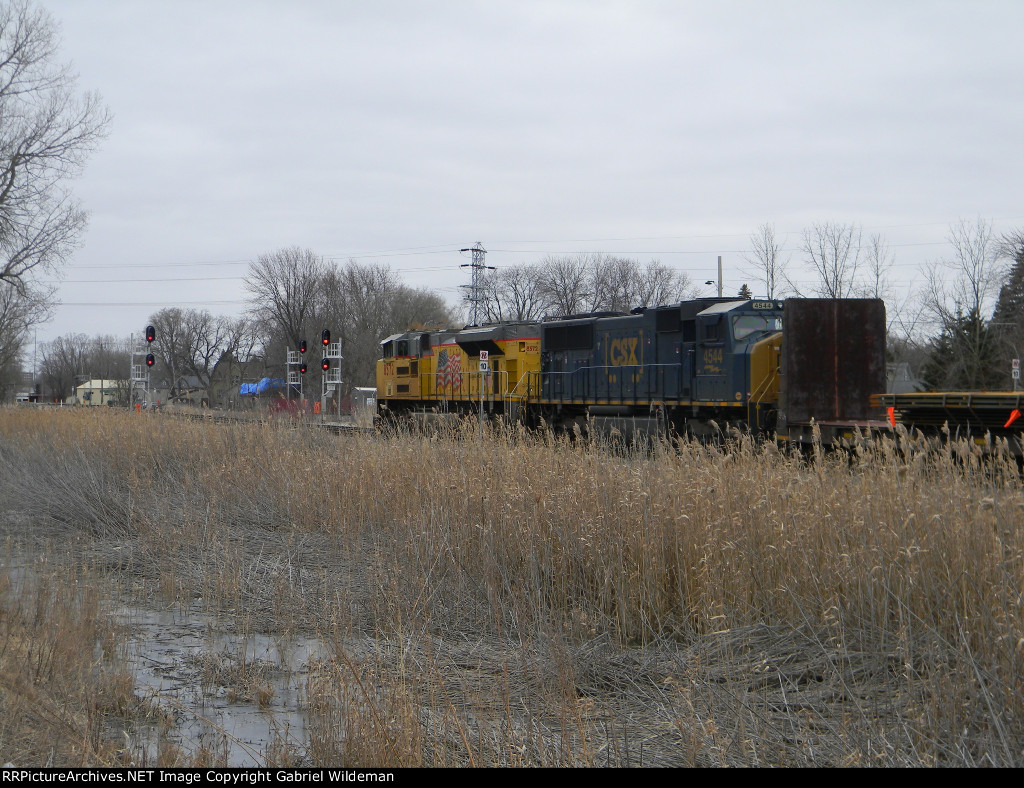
399	132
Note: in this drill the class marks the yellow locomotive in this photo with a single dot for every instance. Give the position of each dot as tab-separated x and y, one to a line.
493	368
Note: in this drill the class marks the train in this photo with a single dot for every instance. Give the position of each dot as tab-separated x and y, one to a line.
798	369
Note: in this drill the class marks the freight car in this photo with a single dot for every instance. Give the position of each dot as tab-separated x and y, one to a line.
985	418
786	368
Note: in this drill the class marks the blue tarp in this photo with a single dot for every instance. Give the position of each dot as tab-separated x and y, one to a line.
265	385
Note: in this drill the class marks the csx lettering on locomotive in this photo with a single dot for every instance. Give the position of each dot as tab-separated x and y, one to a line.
622	352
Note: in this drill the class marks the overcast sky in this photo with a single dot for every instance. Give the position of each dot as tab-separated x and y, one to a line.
398	132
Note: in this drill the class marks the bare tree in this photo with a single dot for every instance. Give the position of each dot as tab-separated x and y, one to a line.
902	313
833	251
564	284
610	284
47	131
767	260
878	259
285	287
167	348
976	273
191	344
205	345
362	304
589	282
70	360
514	294
19	311
657	284
64	363
242	338
241	361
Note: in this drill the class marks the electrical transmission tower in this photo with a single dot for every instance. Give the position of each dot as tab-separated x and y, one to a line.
476	288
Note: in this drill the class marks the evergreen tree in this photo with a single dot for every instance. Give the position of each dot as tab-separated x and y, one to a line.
745	292
1010	305
964	357
1008	318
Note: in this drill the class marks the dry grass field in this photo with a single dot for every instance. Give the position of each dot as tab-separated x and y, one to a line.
513	599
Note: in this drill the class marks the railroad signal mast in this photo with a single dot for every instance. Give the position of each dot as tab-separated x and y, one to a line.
295	365
331	366
141	377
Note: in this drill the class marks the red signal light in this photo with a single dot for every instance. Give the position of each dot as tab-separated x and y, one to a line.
150	360
302	368
302	346
326	337
325	364
150	334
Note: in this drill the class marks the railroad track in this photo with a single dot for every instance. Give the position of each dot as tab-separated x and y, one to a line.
231	418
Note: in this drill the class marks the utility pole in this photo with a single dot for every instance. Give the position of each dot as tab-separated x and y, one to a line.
476	288
719	276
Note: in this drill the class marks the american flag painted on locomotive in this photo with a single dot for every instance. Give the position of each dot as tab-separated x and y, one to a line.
449	369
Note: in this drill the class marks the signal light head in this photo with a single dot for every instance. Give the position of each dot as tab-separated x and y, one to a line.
150	334
326	337
302	368
150	360
302	346
325	364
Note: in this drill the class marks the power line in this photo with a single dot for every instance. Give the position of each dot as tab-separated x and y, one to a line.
170	302
173	279
447	267
435	249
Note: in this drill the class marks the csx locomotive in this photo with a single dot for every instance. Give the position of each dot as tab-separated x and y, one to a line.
781	367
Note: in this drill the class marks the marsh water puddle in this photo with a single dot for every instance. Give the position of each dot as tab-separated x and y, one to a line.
237	696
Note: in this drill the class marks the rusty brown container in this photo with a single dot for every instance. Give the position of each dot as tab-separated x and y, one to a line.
833	359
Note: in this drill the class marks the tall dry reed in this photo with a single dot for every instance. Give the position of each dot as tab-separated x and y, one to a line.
883	583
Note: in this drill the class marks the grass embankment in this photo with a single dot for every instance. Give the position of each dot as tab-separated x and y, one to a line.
517	599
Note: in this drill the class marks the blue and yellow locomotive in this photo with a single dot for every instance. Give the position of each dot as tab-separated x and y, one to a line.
682	365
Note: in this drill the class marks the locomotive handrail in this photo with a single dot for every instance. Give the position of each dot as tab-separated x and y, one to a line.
758	393
470	386
515	389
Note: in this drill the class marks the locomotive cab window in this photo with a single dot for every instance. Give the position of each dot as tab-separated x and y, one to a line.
744	326
388	350
402	347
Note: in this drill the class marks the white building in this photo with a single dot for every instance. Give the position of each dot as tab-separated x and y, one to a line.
101	392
